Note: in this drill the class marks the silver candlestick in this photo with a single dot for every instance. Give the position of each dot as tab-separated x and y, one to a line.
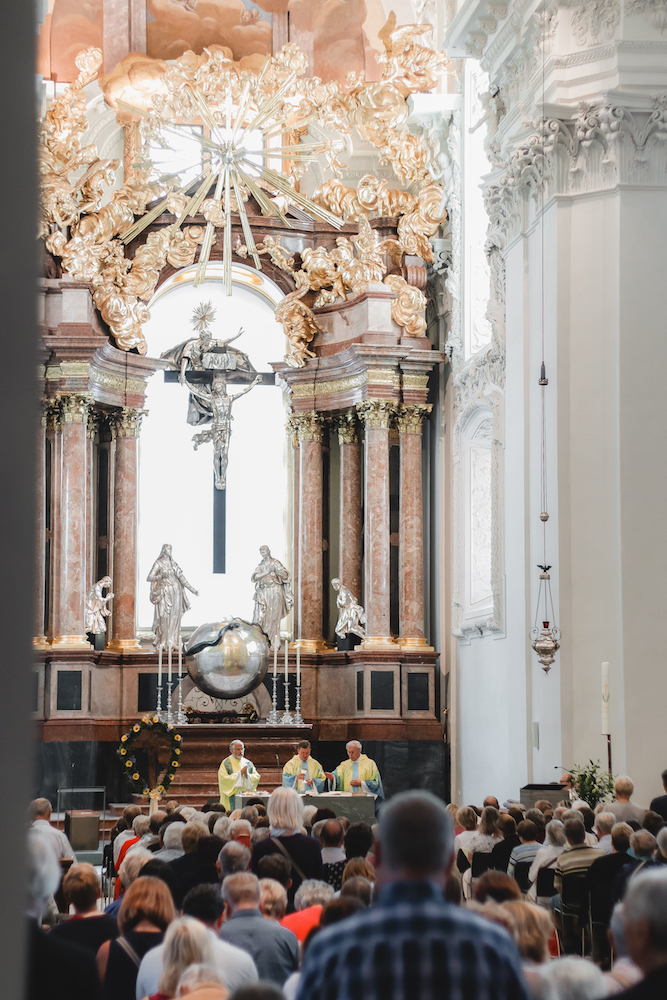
298	720
273	719
286	718
158	708
181	717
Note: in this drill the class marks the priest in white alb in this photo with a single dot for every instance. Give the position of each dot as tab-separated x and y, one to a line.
303	773
357	774
237	774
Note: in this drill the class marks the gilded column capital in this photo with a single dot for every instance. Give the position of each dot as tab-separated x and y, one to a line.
307	426
52	414
347	426
93	424
411	417
125	423
377	412
75	406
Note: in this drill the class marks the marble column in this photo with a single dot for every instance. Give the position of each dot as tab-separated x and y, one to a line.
351	523
294	435
310	596
40	640
411	528
70	564
125	426
377	415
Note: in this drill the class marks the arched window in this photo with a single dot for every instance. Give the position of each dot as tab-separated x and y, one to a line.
176	491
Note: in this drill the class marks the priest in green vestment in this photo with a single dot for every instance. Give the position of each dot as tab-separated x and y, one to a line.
303	773
358	773
237	774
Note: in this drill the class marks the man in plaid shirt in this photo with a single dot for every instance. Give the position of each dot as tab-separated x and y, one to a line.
412	944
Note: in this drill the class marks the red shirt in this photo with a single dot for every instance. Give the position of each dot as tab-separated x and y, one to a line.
302	922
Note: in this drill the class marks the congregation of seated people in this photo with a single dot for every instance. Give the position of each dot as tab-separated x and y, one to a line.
280	902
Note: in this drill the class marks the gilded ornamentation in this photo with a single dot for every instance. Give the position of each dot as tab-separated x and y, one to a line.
152	96
308	425
408	307
74	407
347	426
411	381
126	423
298	322
410	417
377	413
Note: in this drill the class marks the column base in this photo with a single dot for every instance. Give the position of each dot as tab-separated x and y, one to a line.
415	644
41	642
123	645
71	642
310	645
378	642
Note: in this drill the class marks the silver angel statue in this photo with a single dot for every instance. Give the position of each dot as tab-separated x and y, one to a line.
351	615
168	594
273	593
220	403
97	609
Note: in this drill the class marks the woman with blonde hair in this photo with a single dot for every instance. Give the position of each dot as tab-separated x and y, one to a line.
285	811
467	819
187	942
145	912
532	928
358	867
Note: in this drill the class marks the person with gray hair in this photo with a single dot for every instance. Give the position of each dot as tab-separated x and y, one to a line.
411	942
661	841
569	978
172	838
232	859
357	774
624	972
546	857
645	927
197	977
285	812
622	808
310	899
642	848
274	949
221	828
40	814
604	822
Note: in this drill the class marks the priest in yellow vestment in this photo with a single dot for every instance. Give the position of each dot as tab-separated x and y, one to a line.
358	773
303	773
237	774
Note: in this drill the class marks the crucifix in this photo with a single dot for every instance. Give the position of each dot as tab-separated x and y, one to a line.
206	367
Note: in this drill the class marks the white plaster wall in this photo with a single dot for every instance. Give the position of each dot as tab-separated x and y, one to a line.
491	702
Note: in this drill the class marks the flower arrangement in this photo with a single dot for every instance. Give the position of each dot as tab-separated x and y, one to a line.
140	784
592	783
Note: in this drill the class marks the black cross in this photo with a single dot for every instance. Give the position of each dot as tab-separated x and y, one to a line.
220	496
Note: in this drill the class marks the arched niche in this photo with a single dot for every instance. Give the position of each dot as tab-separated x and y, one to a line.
176	482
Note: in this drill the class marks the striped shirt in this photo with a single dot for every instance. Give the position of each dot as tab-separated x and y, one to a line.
576	860
523	852
412	945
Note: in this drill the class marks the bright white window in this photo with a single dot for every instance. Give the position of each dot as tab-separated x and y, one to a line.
477	329
176	482
477	457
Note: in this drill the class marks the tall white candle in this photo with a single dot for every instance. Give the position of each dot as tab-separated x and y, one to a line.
169	672
180	660
159	667
298	665
276	640
286	661
605	699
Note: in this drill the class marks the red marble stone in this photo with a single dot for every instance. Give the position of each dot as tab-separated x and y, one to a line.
411	540
125	543
377	594
310	608
351	522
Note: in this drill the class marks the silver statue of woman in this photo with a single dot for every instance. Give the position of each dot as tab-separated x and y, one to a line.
273	593
97	606
168	586
351	615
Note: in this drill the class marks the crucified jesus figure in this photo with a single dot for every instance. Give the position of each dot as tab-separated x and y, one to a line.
219	433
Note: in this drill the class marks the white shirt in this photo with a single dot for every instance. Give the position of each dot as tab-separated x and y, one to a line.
120	840
462	840
544	858
332	855
56	838
604	844
234	965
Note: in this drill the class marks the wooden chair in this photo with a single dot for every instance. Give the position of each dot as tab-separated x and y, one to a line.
572	899
521	870
544	888
480	864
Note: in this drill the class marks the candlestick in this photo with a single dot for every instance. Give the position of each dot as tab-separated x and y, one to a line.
273	717
169	669
170	715
181	717
298	665
286	719
298	720
605	699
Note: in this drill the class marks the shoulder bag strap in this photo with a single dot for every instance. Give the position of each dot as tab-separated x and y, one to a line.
283	850
129	950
